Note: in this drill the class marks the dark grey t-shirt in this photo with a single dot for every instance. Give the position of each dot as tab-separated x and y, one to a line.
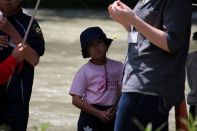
149	69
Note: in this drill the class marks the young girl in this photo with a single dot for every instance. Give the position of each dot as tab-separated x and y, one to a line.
97	84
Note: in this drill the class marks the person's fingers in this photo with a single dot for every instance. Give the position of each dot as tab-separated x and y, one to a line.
4	45
117	10
18	47
120	5
109	7
110	10
21	47
3	21
107	118
3	41
20	44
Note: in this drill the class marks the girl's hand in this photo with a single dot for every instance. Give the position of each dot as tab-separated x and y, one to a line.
111	113
104	116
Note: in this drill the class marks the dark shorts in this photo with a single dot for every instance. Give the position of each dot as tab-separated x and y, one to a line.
89	121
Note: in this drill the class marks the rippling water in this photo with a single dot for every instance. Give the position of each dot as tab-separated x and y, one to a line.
50	102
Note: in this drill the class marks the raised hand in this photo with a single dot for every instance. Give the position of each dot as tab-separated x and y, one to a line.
121	13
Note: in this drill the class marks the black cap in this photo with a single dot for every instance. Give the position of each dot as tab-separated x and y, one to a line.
89	35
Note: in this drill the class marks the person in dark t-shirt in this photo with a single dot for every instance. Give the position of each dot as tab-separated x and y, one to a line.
154	69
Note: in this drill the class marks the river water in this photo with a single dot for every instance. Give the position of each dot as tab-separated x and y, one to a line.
50	101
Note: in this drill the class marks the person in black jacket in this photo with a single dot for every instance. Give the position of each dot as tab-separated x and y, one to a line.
15	94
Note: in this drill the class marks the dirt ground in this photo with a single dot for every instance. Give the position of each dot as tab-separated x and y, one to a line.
50	102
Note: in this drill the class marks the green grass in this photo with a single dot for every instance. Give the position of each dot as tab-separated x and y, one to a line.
191	124
42	127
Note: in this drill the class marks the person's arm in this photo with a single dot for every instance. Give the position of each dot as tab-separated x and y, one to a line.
84	106
7	68
8	65
154	35
125	16
31	55
176	20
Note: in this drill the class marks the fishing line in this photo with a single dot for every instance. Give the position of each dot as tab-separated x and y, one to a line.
91	10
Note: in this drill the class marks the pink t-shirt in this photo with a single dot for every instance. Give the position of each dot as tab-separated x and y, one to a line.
90	82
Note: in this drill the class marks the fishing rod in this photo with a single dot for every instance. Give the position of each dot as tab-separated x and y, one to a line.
30	22
194	4
1	15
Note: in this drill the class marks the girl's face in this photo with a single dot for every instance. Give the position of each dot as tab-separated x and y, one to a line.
97	49
9	6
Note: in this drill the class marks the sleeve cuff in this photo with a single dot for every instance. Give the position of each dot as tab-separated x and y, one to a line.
11	62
